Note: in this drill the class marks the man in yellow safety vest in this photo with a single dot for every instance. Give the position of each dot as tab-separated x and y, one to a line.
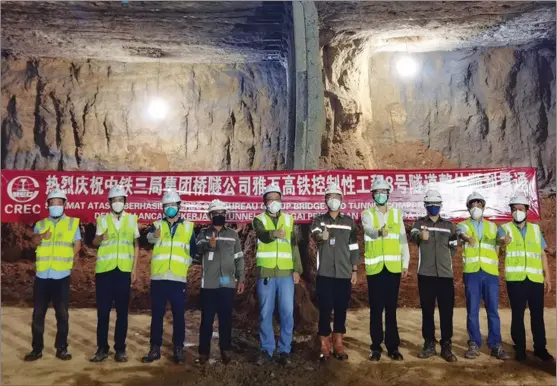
58	241
117	238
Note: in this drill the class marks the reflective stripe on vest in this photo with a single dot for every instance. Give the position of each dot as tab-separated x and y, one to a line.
172	253
118	249
56	253
384	251
482	255
523	256
279	252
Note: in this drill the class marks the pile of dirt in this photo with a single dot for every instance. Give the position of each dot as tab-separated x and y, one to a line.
18	270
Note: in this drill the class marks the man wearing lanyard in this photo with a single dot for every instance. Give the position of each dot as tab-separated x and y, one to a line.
480	256
174	241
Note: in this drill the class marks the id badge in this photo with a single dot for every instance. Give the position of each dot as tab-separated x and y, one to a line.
210	256
224	280
332	241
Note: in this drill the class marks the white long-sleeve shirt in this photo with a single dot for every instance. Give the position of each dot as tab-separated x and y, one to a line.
373	233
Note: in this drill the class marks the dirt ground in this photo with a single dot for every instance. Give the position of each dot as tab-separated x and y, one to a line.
306	370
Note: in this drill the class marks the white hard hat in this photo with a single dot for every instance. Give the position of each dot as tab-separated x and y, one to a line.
333	189
519	198
272	188
380	184
57	193
432	196
117	191
216	205
171	197
474	196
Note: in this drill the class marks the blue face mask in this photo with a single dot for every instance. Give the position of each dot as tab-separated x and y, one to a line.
55	211
380	198
433	210
170	211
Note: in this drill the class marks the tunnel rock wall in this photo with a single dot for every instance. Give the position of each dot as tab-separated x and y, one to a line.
468	108
91	115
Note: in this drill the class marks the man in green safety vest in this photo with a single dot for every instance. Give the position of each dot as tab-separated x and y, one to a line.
117	238
527	275
58	241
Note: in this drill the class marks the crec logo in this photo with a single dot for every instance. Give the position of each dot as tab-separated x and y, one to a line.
23	189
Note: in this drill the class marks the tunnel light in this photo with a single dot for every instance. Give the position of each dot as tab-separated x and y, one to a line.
157	109
406	66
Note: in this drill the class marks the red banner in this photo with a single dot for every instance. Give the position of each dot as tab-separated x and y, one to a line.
24	192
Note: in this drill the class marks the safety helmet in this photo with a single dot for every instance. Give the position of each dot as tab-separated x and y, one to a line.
475	196
57	193
272	188
380	184
171	197
432	197
117	191
519	198
333	189
216	205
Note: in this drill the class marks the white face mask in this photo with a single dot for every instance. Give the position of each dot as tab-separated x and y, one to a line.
117	207
333	204
476	213
274	207
519	216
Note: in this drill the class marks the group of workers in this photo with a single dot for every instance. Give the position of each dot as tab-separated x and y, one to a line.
218	249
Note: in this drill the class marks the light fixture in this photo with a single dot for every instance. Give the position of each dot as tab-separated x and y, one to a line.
157	109
406	66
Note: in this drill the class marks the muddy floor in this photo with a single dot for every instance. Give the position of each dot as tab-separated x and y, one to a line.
306	370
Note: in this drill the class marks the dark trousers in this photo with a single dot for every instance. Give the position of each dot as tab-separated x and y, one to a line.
218	301
44	291
383	295
112	288
434	288
175	293
332	294
520	293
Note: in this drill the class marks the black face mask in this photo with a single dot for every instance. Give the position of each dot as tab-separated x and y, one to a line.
219	220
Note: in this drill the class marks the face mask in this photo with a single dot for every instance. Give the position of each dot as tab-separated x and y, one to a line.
274	207
380	198
218	220
433	210
117	207
519	216
170	211
55	211
333	204
476	213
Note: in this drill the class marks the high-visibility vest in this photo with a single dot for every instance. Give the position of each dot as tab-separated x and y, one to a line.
483	255
384	251
523	256
118	249
172	253
279	252
56	252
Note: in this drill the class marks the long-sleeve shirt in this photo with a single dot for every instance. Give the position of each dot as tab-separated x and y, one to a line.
264	236
224	264
373	233
153	240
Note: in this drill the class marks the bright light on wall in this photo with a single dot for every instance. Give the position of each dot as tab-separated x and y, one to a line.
157	109
406	66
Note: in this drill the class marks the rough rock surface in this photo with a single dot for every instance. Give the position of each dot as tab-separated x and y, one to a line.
91	115
466	108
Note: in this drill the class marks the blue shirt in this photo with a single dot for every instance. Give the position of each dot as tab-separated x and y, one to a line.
478	225
50	273
501	233
173	227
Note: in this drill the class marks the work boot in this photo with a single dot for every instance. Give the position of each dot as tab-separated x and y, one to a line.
544	355
63	354
395	355
473	351
375	356
428	350
264	358
201	360
284	359
447	352
99	356
33	356
325	347
499	353
154	354
225	356
338	345
120	356
179	355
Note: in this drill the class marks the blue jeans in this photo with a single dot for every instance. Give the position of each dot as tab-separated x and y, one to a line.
283	287
481	285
